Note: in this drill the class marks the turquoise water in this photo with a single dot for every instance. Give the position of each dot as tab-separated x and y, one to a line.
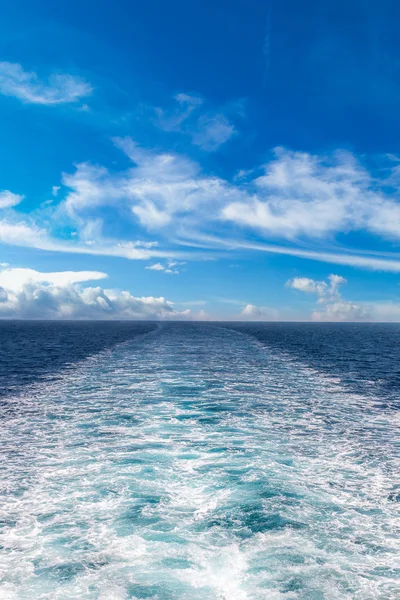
196	463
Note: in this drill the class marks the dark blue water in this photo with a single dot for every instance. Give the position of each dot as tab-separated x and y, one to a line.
366	356
199	461
36	350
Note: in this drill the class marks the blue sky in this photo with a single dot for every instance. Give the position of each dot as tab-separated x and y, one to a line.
200	160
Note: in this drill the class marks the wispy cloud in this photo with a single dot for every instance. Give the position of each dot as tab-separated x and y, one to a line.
304	201
193	303
170	268
8	199
172	120
213	131
155	267
372	261
301	194
58	88
208	129
29	235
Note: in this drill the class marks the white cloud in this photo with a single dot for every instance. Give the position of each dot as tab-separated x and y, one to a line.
302	198
258	313
321	288
342	310
25	293
15	279
314	196
55	189
250	312
213	131
158	189
299	195
169	268
374	261
59	88
333	306
22	234
8	199
209	130
31	236
172	121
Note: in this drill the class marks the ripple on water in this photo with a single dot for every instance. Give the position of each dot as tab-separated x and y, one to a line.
196	464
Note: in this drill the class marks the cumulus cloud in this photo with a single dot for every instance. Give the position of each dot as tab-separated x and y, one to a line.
26	293
342	310
258	313
58	88
321	288
332	306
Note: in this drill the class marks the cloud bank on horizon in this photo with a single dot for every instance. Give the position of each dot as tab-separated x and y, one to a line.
183	181
29	294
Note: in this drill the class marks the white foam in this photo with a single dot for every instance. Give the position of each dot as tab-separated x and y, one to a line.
144	484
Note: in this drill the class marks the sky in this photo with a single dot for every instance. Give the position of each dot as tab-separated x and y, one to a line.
210	160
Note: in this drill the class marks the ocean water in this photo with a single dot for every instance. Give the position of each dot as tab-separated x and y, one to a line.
199	461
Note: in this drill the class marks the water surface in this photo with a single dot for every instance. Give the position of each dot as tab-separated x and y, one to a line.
200	462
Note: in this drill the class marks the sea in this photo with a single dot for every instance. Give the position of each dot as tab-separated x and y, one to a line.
199	461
